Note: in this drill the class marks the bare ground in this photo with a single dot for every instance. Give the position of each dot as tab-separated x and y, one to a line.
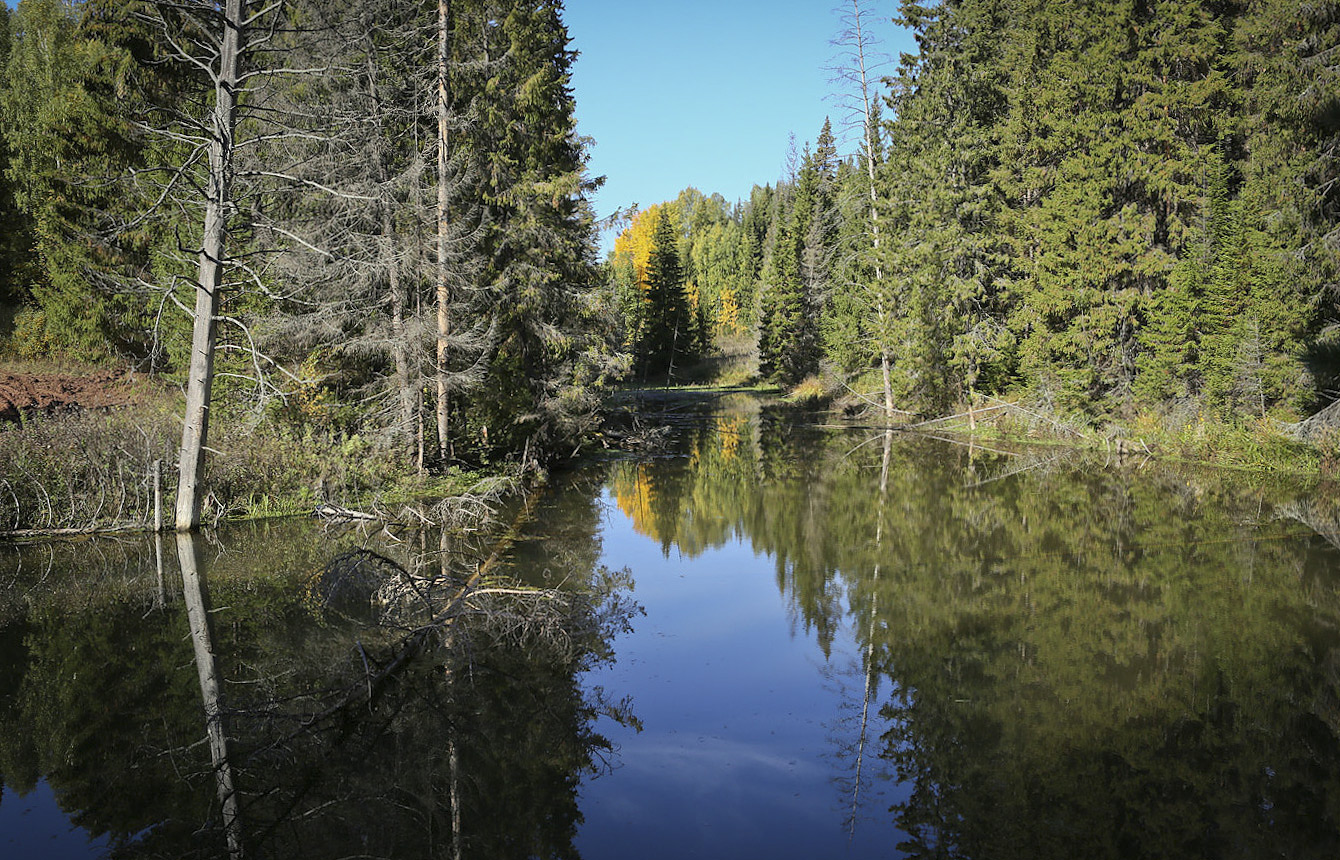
54	392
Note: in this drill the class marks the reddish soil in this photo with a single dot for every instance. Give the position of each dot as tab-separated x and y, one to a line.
50	393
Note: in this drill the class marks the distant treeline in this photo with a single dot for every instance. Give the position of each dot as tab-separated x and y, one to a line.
1108	205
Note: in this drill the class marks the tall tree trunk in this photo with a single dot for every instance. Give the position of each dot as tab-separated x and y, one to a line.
868	143
195	425
443	233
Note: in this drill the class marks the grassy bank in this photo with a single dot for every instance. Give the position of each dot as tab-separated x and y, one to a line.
70	469
1256	444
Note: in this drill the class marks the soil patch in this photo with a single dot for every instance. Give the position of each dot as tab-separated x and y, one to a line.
52	393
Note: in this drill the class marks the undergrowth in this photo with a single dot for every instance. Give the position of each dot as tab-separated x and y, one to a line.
94	470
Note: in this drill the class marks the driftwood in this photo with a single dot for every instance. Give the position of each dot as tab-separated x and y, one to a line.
336	513
30	534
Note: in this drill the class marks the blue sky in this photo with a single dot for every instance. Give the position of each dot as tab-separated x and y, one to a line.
704	92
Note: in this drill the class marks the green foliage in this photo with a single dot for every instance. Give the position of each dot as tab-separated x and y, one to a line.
797	273
1127	206
71	141
547	354
669	334
108	122
16	238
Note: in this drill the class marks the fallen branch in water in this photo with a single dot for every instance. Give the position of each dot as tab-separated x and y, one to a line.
336	513
1049	420
976	413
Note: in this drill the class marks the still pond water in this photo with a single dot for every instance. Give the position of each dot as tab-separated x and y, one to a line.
769	640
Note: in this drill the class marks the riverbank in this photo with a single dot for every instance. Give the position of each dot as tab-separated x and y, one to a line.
92	450
1252	444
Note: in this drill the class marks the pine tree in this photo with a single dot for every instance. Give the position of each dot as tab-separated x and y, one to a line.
784	354
1289	194
942	205
16	237
68	129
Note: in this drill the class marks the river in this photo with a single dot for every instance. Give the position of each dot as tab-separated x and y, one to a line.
768	638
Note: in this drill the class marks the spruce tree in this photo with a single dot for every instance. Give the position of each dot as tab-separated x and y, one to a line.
66	189
942	205
667	337
531	302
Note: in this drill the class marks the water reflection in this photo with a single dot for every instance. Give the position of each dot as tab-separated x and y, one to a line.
1057	657
202	640
1019	654
339	695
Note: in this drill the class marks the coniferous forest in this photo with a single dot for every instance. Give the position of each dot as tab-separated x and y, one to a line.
375	210
1105	206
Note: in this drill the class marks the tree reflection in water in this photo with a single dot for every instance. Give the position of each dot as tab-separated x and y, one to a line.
1051	657
389	703
1079	658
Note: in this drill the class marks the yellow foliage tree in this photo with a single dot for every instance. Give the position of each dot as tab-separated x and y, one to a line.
728	316
635	241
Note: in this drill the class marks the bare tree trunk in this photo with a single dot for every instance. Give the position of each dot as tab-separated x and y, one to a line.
888	384
195	424
398	349
868	140
443	233
860	44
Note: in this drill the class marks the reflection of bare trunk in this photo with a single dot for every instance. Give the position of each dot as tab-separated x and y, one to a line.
197	611
453	762
870	629
161	597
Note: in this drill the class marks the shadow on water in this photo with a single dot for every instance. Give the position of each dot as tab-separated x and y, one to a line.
288	693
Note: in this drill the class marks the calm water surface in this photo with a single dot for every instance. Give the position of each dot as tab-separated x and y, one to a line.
768	640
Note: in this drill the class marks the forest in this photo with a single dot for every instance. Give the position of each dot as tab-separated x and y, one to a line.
358	217
1107	208
364	230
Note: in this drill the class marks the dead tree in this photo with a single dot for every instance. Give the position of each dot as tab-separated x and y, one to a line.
238	55
220	27
854	70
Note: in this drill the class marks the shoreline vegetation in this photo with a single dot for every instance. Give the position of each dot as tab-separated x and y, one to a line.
72	471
